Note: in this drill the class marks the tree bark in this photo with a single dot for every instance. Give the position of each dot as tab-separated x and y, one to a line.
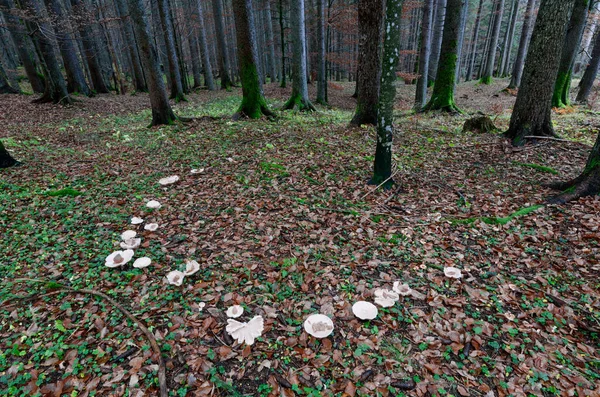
194	48
161	109
436	43
571	42
176	84
532	112
6	159
382	166
282	40
517	71
253	103
138	73
370	24
5	87
224	65
442	97
589	76
508	42
486	78
421	92
270	41
461	40
208	74
474	39
321	56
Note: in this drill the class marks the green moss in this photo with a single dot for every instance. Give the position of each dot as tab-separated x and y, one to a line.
538	167
497	220
64	192
487	80
561	82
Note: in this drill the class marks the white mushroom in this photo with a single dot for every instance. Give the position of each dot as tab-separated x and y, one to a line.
151	227
364	310
201	306
168	180
452	272
136	221
235	311
402	289
128	235
131	243
175	277
245	332
118	258
197	171
385	297
143	262
153	204
318	325
191	267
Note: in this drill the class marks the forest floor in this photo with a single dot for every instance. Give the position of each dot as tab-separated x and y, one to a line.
282	222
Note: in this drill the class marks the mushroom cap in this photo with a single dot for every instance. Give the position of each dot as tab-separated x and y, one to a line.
452	272
136	221
318	325
197	171
245	332
142	262
364	310
386	297
131	244
191	267
168	180
153	204
118	258
151	227
402	289
235	311
175	277
128	235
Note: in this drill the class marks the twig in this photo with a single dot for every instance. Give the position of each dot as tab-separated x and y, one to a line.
380	185
162	372
551	138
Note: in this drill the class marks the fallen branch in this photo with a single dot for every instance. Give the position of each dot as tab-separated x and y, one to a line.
380	185
162	371
550	138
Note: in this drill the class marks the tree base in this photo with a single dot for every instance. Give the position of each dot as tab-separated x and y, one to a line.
304	105
517	134
479	124
377	180
487	80
6	159
587	184
244	113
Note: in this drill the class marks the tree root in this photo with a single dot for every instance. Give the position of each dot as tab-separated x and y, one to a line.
162	371
584	185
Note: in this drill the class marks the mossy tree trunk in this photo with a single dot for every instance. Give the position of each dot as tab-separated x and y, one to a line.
253	100
299	97
532	112
575	29
370	24
382	167
517	71
6	159
321	55
421	91
442	97
589	76
486	78
586	184
161	109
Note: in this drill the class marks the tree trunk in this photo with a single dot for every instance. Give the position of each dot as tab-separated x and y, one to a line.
508	43
270	41
571	42
370	18
491	56
192	27
161	109
253	101
461	40
586	184
442	97
589	77
224	65
174	72
474	39
6	159
208	74
138	73
421	93
436	43
299	83
282	39
382	166
5	87
517	71
532	112
321	58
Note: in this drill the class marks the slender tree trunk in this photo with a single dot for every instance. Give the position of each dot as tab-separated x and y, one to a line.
589	33
6	159
321	58
282	38
370	24
486	46
474	40
161	109
509	40
253	103
589	77
208	74
194	48
532	112
224	65
461	40
491	56
436	44
176	84
571	42
270	41
528	20
138	73
442	97
421	93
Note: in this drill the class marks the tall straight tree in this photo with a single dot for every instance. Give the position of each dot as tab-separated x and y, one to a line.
224	65
532	112
442	97
138	73
474	39
572	40
208	74
174	71
253	103
191	26
486	78
508	39
382	166
270	41
6	160
421	92
461	40
159	102
299	95
436	43
370	18
589	76
517	72
321	55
